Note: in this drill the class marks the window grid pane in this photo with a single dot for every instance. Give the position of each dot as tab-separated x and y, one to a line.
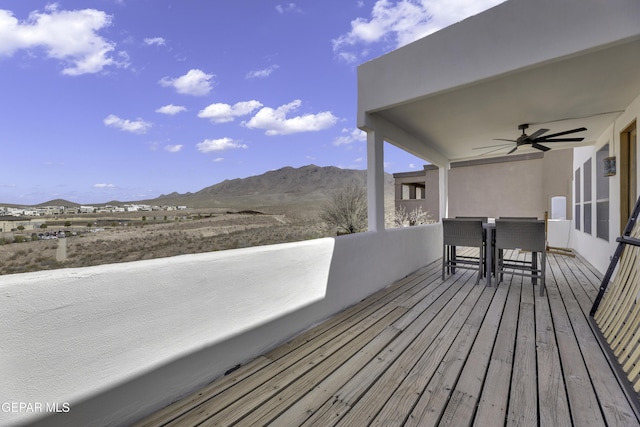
586	172
602	195
602	218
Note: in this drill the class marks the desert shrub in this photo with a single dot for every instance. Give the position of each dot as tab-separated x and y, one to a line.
401	217
347	209
15	256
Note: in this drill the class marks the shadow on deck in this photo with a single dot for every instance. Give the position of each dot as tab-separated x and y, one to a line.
427	352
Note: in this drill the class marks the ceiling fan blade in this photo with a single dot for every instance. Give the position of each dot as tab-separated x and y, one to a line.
566	132
491	146
538	133
559	140
513	149
501	139
494	150
540	147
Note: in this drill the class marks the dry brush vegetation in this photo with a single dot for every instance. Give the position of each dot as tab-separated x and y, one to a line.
127	238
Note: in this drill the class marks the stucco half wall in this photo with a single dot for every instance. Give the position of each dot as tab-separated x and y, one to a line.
116	342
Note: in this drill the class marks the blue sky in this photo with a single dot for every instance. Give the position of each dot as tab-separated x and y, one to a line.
130	99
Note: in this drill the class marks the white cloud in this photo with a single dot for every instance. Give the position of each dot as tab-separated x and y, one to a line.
158	41
218	159
350	136
195	82
223	113
70	36
260	74
287	7
222	144
173	148
398	23
171	109
138	126
275	121
104	186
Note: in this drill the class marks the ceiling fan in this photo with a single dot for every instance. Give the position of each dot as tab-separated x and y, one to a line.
536	138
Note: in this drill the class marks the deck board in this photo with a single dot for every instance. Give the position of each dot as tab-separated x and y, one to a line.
471	380
430	352
582	398
433	371
554	404
523	401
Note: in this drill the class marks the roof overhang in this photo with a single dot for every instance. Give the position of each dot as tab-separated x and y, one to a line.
557	65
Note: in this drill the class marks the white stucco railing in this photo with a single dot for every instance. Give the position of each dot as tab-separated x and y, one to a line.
106	345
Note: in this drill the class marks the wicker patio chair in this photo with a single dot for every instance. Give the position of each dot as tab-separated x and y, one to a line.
525	218
527	235
462	233
484	220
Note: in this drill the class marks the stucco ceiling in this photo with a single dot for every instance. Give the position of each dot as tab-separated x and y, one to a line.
589	89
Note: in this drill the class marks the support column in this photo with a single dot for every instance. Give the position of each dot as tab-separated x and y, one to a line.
375	180
443	174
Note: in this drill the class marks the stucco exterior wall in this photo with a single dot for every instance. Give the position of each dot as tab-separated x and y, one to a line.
494	190
556	178
595	250
116	342
515	186
7	226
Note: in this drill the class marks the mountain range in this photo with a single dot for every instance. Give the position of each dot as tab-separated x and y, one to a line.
304	187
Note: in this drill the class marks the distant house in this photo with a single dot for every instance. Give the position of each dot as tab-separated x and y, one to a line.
137	208
51	210
23	212
411	190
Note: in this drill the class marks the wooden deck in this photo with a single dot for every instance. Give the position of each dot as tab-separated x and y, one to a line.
426	352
